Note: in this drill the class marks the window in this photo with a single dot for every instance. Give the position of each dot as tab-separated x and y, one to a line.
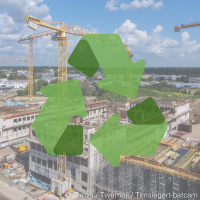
84	188
84	162
32	117
24	127
33	133
50	164
55	165
84	177
39	161
33	145
70	158
19	128
73	173
86	137
35	116
77	160
33	158
44	163
15	120
19	119
38	147
24	118
28	118
15	129
44	150
72	186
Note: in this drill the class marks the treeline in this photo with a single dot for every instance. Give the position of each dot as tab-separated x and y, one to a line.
191	72
2	75
163	86
36	87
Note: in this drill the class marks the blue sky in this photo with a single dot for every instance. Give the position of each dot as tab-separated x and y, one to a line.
146	25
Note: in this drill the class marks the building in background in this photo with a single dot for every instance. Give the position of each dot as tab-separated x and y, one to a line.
194	80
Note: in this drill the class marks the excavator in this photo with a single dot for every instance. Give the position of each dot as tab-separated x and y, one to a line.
194	121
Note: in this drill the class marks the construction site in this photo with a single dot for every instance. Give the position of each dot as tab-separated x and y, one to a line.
173	172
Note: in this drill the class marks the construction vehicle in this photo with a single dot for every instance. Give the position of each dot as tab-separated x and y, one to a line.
5	166
22	148
194	121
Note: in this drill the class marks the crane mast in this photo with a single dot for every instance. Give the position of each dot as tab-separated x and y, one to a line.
62	28
128	72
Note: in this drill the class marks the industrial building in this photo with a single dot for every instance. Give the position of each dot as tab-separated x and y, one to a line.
181	84
194	80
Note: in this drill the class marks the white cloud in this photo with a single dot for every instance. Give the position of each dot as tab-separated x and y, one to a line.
136	4
161	50
158	29
185	36
13	28
110	5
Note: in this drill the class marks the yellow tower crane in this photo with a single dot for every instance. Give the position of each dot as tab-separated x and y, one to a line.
62	28
178	28
131	55
30	64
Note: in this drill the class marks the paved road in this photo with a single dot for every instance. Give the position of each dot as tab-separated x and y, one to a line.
11	193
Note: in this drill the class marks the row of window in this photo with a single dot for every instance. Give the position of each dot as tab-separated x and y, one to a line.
50	164
21	128
53	165
78	160
24	119
75	159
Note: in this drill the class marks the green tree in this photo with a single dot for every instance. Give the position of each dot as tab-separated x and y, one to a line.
13	76
54	81
161	79
86	88
150	78
2	75
41	83
145	79
21	92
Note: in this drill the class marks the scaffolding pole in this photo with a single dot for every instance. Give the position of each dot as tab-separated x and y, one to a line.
153	183
140	182
162	184
176	187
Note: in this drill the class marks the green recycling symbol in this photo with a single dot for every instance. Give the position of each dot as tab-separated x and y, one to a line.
65	99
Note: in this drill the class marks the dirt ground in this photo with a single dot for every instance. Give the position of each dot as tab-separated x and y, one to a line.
26	98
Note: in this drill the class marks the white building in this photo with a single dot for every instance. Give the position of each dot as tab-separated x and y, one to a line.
17	84
194	80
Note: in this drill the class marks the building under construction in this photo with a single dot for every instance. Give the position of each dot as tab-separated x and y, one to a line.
174	168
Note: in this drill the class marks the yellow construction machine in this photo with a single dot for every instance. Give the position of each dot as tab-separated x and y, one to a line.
194	121
22	148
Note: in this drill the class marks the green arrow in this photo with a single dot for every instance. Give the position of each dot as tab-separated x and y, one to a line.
108	51
113	140
65	99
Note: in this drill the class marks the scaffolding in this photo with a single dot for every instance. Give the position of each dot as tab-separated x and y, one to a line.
137	178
